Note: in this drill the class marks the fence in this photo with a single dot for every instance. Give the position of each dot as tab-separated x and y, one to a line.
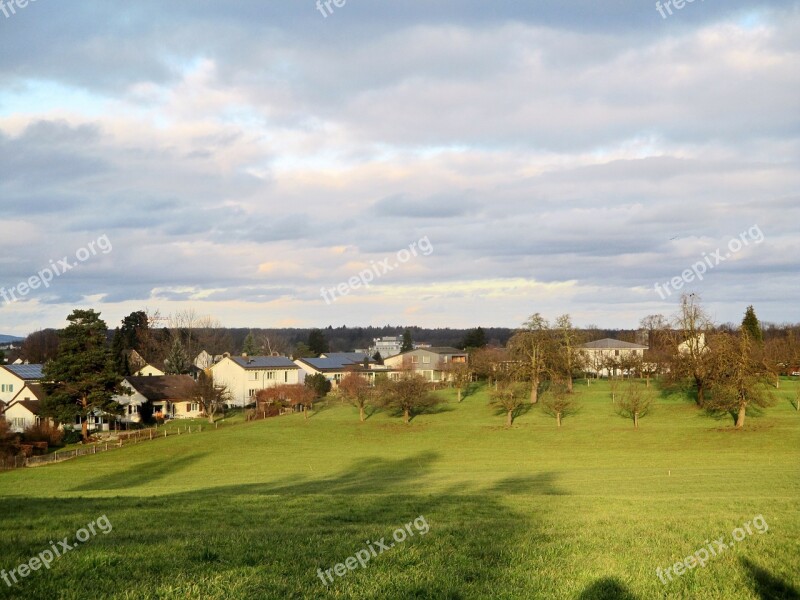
122	439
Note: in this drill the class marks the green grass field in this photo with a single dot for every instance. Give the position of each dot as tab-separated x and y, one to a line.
587	511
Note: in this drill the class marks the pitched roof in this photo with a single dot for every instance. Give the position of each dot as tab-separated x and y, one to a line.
264	362
432	349
162	387
28	372
331	363
33	406
608	343
35	389
358	357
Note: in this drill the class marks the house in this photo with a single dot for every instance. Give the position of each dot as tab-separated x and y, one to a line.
693	346
159	396
25	409
431	363
14	377
245	375
334	365
204	361
599	353
149	371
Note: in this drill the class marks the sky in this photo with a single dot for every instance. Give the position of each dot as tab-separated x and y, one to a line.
443	164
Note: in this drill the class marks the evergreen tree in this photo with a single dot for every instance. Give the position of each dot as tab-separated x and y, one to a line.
317	342
475	338
177	362
408	343
250	346
751	325
377	358
82	379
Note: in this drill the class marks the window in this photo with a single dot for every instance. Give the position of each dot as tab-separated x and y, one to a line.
414	360
616	352
254	376
426	360
270	375
18	423
194	407
286	376
251	393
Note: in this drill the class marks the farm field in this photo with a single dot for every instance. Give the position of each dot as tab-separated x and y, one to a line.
590	510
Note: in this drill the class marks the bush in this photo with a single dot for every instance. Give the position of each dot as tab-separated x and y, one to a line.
9	444
43	432
71	436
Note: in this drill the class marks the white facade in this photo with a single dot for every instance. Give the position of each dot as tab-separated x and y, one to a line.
245	376
149	371
21	415
14	377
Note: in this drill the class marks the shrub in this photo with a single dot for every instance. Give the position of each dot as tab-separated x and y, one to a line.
43	432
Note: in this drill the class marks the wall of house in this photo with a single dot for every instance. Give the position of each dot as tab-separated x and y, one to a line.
240	381
19	417
10	385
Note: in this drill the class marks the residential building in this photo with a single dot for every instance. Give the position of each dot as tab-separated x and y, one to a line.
432	363
164	396
14	377
334	365
149	371
599	356
25	409
244	376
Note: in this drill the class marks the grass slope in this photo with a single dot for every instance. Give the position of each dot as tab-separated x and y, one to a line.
587	511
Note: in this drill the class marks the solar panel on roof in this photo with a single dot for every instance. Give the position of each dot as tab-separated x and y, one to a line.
26	371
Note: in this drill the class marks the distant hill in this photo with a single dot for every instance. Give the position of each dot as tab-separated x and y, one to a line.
7	339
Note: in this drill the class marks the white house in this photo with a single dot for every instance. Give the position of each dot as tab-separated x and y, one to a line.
431	363
159	395
598	354
14	377
24	410
149	371
244	376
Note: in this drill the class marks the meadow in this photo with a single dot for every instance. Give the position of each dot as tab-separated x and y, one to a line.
590	510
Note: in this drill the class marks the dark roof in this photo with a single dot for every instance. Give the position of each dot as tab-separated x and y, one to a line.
32	372
434	350
358	357
612	344
36	390
32	405
331	363
264	362
162	387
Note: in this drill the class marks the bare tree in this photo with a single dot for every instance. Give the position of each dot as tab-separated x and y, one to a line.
409	394
459	375
635	402
509	397
558	402
692	356
40	346
739	381
355	390
569	357
211	397
533	346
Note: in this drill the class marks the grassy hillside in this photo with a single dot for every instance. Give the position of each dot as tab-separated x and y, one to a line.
587	511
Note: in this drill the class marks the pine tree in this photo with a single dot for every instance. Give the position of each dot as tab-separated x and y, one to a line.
177	362
408	343
82	379
751	325
250	347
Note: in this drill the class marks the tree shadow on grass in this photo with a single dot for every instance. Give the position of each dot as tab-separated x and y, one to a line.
540	484
139	474
269	539
766	585
608	588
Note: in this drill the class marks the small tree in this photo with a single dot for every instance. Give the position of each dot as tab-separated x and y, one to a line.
751	326
532	346
250	347
177	362
635	402
355	390
558	402
317	342
9	443
460	376
319	384
509	397
409	395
